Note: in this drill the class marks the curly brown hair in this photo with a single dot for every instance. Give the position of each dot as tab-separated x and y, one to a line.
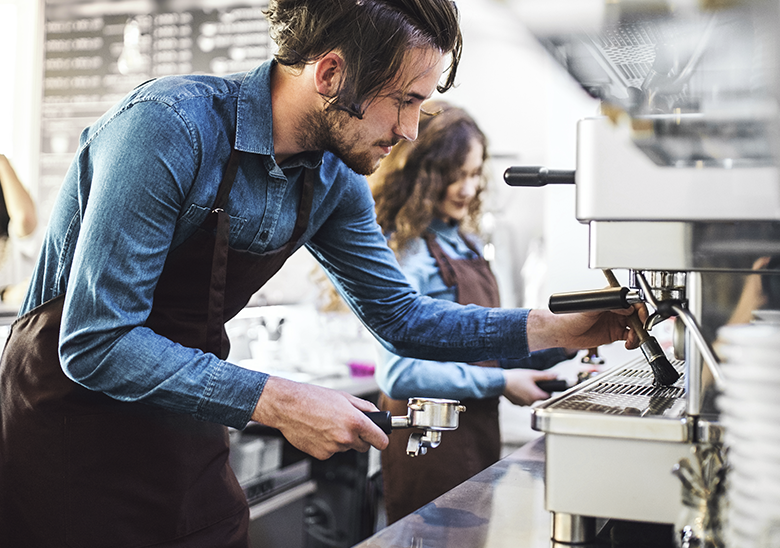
372	36
413	179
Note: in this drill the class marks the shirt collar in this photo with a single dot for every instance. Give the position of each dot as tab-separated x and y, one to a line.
254	118
444	230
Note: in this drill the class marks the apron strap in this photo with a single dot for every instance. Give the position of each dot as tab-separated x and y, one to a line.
218	276
219	257
447	272
226	184
304	209
470	244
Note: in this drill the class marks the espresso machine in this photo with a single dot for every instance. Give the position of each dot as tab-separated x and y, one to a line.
678	184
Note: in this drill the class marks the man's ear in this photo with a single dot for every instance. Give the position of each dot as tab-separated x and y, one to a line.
328	72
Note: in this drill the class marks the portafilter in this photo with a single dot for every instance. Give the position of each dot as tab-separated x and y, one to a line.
432	415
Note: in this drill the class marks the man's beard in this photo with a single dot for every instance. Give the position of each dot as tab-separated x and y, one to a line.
327	130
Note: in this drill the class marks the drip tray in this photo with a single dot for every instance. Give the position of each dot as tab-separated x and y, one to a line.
620	403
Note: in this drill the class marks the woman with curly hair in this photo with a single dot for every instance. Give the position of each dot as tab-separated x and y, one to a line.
428	201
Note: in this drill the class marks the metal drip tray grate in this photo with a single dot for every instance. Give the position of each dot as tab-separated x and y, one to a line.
629	392
622	402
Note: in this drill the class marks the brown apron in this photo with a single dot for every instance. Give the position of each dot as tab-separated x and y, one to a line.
410	483
83	470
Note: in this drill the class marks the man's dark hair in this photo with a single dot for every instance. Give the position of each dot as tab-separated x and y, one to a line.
373	37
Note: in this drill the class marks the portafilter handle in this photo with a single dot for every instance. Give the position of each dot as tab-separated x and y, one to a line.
385	421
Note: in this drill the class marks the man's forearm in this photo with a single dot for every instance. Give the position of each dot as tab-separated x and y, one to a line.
542	331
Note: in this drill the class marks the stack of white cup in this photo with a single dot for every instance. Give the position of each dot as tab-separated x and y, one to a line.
750	413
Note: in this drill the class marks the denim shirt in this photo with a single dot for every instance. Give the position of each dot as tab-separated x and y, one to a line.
145	176
401	377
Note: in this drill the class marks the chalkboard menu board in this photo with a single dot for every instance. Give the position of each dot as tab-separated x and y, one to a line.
98	50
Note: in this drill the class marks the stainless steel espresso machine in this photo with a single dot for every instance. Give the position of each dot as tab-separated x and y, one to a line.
678	183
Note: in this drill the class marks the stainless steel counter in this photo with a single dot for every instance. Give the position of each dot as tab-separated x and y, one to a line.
503	507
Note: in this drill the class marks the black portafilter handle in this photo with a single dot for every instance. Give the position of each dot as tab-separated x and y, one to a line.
612	298
553	385
383	419
537	176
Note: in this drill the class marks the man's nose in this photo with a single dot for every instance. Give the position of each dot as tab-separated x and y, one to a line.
408	125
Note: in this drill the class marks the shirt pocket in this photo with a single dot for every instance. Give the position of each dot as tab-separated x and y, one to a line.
196	214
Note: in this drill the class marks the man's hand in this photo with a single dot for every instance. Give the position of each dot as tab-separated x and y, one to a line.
521	386
317	420
581	330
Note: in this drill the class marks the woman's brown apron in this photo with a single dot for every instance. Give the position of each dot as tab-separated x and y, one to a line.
410	483
83	470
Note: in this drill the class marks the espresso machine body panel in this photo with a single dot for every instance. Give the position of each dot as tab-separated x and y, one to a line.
664	245
616	181
729	247
644	216
637	486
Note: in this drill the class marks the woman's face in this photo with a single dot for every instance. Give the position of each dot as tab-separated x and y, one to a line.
455	205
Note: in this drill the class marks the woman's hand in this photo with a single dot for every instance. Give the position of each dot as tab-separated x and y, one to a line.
521	386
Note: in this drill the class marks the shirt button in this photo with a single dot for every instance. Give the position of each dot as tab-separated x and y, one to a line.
264	235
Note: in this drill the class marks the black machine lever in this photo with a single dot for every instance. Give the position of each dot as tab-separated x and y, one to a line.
612	298
537	176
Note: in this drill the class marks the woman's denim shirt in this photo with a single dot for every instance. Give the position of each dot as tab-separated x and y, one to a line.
403	377
145	176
